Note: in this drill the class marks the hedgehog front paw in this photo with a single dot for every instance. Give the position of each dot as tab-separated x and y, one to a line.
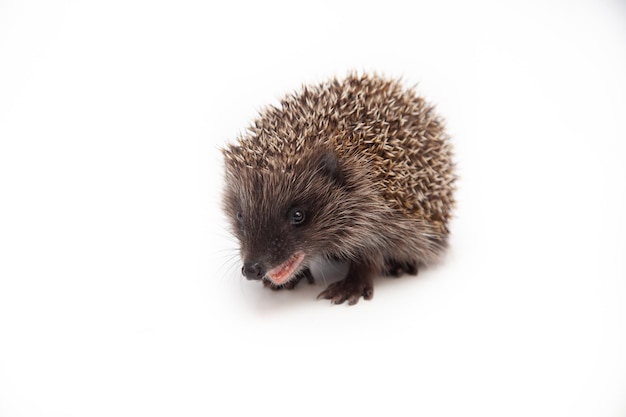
348	290
291	284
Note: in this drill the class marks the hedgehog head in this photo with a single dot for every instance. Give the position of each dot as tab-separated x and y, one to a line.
285	215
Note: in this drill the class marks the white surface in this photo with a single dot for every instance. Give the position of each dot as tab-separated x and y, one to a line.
119	286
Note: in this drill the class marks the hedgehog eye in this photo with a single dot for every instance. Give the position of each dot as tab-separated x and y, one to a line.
239	216
296	216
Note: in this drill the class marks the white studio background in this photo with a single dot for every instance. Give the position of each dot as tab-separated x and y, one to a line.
120	291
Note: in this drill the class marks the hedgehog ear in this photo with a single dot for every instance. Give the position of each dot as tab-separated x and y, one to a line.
328	164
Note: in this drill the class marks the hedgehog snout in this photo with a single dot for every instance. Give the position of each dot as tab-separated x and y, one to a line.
253	270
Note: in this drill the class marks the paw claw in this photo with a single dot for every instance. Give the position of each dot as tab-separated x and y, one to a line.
368	293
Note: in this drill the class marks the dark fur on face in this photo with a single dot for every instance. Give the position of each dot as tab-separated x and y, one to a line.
262	204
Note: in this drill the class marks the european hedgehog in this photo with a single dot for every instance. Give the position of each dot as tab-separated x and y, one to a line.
356	170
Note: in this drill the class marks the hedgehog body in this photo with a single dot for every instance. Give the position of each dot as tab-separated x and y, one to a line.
358	170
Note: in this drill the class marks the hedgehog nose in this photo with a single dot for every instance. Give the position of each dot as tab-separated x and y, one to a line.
253	270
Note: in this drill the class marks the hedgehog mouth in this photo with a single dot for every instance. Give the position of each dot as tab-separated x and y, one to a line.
285	271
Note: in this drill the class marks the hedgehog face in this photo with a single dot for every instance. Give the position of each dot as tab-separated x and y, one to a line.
282	217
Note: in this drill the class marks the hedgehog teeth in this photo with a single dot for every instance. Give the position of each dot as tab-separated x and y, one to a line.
285	271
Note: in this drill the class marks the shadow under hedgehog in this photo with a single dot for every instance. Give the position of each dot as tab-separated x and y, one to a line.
357	170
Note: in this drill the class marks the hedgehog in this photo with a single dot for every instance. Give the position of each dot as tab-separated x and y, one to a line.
357	170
